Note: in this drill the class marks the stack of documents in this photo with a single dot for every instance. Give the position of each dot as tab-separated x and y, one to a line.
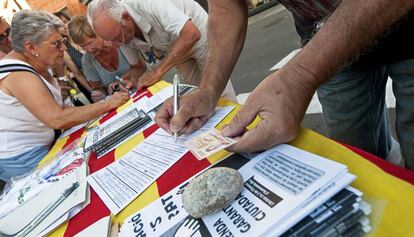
41	201
345	214
115	131
119	183
286	190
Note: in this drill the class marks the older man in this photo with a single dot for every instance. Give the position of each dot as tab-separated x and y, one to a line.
175	30
5	43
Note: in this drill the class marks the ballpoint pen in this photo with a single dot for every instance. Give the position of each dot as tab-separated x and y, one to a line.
49	209
130	92
176	83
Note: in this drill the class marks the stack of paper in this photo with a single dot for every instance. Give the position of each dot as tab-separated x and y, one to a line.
122	181
41	201
282	186
115	131
345	214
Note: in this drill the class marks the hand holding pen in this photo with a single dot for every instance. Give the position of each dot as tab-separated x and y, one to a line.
121	86
176	83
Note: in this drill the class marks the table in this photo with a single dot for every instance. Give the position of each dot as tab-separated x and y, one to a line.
388	188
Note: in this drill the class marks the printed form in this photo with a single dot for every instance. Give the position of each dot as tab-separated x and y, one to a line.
121	182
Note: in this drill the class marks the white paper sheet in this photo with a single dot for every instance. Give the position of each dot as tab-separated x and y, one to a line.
121	182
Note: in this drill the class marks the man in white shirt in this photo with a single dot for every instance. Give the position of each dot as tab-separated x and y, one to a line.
175	30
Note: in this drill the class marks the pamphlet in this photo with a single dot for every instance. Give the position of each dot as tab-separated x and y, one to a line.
279	185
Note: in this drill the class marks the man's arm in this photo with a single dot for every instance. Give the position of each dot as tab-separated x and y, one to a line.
188	37
227	24
281	99
130	78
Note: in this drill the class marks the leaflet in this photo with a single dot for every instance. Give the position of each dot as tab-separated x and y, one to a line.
260	209
121	182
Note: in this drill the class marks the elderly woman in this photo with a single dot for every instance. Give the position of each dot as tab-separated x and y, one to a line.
103	63
30	98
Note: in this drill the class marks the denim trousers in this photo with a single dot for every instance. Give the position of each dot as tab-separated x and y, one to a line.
354	108
21	164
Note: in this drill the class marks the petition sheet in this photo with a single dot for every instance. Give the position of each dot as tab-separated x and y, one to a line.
121	182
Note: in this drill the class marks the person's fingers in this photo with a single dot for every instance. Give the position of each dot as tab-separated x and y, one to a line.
184	114
256	139
243	118
111	88
193	124
164	115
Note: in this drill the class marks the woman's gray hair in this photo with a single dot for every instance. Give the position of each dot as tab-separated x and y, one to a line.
33	26
112	8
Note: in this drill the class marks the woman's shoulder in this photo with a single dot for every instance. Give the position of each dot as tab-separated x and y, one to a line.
5	61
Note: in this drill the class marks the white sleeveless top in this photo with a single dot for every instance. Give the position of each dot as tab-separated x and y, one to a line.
20	131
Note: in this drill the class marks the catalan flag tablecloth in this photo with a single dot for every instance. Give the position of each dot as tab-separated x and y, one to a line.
388	188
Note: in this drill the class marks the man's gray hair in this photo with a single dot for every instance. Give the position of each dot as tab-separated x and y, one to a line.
33	26
112	8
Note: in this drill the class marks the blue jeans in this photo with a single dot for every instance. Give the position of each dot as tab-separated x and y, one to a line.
21	164
354	108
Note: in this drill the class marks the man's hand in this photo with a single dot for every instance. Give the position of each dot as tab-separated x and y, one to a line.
194	111
147	79
280	103
116	86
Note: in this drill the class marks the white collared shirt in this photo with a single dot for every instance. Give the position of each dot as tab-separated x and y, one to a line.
161	22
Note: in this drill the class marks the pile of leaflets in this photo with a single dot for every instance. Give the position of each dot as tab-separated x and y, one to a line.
287	192
114	132
345	214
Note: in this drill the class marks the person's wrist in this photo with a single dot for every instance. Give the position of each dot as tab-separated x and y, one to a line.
158	73
212	92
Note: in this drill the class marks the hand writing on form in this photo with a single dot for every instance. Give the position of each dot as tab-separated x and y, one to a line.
194	110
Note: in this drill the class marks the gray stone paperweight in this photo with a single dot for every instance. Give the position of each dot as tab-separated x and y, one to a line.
211	191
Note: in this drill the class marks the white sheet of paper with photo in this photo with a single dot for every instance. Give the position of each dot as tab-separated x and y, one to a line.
121	182
169	211
208	143
295	176
19	218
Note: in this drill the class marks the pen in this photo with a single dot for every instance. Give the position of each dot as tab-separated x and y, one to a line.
130	92
176	82
49	209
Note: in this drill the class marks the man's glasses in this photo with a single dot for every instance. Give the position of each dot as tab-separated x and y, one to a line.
5	34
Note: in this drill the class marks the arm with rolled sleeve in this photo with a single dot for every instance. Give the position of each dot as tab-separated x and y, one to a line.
178	24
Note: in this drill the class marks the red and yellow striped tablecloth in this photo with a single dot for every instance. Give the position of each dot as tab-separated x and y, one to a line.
386	187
